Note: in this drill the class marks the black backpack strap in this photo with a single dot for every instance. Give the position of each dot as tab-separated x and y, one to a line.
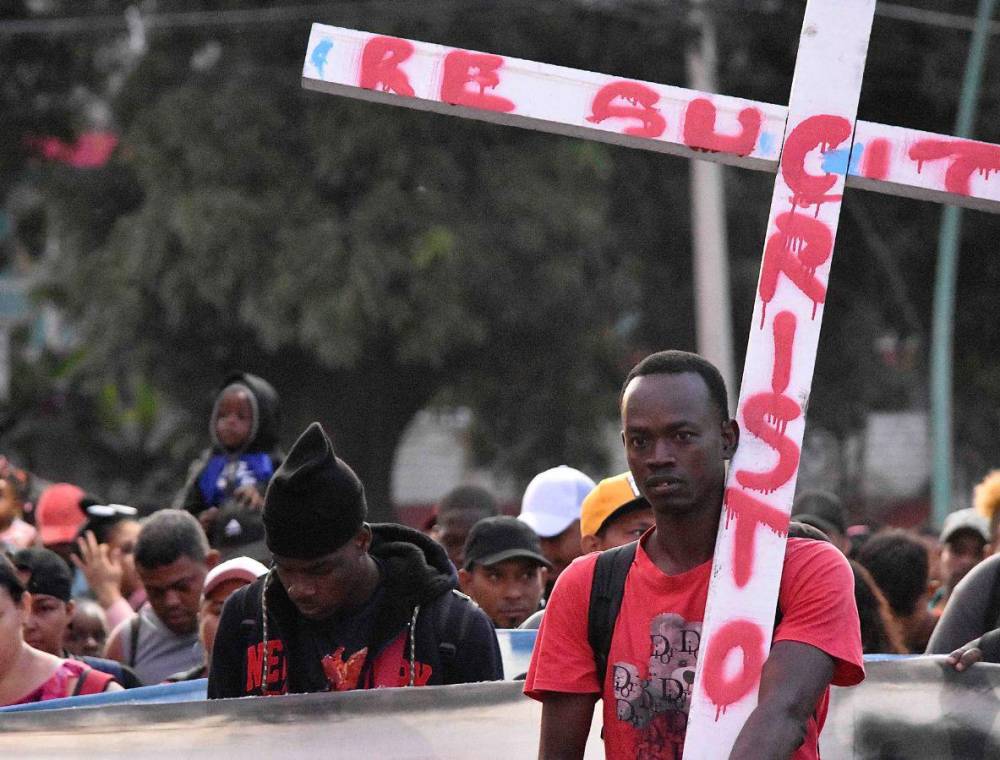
452	618
133	633
606	594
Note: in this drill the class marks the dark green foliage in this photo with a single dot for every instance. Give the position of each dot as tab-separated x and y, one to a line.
371	260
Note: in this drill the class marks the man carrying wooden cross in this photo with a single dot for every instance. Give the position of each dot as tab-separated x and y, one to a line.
678	437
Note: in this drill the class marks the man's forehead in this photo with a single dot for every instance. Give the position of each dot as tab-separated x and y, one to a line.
297	563
46	599
681	393
164	575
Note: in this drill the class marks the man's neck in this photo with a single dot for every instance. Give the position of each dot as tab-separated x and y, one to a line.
367	586
682	542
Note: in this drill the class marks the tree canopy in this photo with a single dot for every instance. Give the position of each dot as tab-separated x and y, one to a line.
370	260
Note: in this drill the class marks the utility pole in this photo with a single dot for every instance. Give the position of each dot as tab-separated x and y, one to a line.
713	318
942	333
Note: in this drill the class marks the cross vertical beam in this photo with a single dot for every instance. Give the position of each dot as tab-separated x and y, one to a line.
777	376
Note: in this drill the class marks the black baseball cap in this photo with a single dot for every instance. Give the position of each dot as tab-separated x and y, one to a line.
822	510
495	539
48	574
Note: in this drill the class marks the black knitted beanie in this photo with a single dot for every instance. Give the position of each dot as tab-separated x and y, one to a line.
315	503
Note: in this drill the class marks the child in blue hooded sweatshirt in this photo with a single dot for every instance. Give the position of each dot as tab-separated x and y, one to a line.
227	482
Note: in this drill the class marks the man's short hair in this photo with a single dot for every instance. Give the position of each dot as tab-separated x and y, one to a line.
168	535
469	497
898	562
677	363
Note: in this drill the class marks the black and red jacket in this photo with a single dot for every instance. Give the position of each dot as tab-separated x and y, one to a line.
424	631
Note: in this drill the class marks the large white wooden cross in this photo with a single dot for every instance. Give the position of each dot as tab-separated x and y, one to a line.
816	147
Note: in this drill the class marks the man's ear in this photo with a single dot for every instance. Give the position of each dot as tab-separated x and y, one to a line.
364	538
212	558
589	544
730	438
70	608
464	580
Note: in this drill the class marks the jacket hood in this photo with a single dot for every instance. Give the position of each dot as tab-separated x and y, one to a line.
415	568
267	412
415	571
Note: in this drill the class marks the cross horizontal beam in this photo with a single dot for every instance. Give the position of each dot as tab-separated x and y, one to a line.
638	114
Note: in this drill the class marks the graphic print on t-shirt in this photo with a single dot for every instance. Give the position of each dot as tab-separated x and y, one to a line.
342	673
656	704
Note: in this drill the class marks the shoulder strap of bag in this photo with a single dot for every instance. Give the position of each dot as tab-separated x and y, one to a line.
606	594
133	635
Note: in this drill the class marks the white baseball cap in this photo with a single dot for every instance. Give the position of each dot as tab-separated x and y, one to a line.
244	568
552	500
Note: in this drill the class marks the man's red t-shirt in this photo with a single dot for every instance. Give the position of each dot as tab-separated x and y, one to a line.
654	651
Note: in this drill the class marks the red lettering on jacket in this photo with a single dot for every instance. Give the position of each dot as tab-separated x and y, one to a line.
642	102
275	667
380	62
824	132
699	129
723	691
462	68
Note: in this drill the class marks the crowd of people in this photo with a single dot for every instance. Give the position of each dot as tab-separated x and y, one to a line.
265	576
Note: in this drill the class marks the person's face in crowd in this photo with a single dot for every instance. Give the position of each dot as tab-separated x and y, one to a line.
12	617
451	530
562	549
211	610
508	592
9	507
174	591
235	419
320	587
622	530
123	538
87	632
46	623
675	443
961	552
935	576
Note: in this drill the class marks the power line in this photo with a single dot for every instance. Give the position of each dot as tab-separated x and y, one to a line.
241	17
930	18
263	15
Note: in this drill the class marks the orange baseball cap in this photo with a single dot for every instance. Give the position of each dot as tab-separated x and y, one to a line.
58	514
608	498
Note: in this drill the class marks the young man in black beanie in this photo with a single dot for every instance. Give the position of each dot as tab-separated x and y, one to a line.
347	605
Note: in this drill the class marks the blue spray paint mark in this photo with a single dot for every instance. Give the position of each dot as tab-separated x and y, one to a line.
835	161
319	54
765	143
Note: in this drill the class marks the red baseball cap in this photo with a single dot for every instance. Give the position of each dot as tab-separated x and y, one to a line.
58	514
